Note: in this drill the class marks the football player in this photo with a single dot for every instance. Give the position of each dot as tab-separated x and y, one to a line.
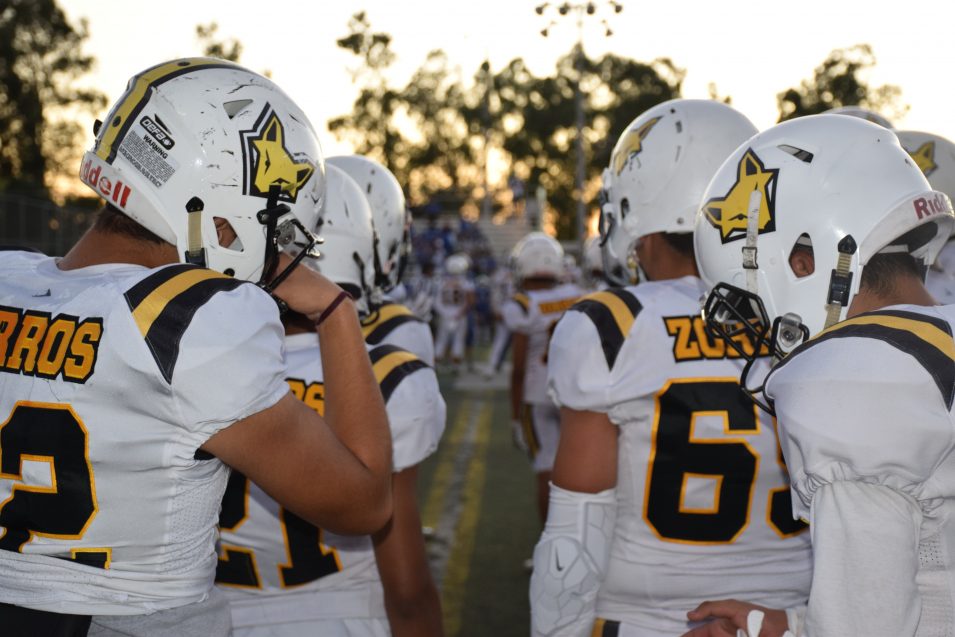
141	366
502	289
284	576
453	302
829	238
935	156
388	321
668	484
538	265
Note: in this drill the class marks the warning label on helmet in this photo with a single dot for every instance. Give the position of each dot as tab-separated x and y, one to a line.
149	158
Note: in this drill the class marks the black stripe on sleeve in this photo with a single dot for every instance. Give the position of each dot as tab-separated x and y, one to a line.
383	329
390	382
611	338
167	330
937	363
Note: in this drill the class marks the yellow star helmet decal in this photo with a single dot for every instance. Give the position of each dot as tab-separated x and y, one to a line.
268	161
729	213
631	144
924	157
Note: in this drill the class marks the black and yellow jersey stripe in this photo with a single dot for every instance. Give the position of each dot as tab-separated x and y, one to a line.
164	303
379	324
613	312
605	628
137	95
391	365
926	338
523	301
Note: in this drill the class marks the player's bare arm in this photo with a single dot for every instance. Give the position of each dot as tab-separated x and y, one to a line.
348	451
411	598
587	456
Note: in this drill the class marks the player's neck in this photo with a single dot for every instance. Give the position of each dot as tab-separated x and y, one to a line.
97	248
907	291
675	267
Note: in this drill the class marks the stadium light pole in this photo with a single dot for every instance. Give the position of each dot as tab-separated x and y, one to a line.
580	10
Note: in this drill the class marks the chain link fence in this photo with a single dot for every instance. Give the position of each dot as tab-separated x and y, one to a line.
40	224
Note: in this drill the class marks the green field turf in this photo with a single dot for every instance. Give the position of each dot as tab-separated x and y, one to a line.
477	494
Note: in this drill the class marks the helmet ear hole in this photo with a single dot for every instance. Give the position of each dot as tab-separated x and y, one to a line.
624	208
801	257
227	236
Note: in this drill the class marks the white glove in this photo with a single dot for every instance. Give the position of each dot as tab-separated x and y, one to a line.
517	435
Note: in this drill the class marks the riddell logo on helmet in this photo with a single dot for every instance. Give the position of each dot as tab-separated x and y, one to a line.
115	191
925	207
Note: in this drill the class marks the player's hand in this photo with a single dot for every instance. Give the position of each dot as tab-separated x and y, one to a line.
517	436
730	619
305	290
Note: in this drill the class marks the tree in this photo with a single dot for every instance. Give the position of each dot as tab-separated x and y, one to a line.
40	58
433	133
837	82
230	49
371	127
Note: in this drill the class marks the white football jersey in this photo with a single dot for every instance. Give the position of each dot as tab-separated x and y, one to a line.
111	379
704	508
452	296
867	406
274	566
940	279
535	313
395	324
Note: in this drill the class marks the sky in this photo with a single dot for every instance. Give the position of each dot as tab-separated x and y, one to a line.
751	50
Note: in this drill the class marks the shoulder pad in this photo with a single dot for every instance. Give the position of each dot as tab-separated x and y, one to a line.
164	303
613	312
926	338
379	324
391	364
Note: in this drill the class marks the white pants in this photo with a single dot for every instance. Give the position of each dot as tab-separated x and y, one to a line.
451	331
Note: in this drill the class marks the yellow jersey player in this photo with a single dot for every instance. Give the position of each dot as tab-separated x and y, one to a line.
133	377
284	576
387	320
538	264
837	225
668	484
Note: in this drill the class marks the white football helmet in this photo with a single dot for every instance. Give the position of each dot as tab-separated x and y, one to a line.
537	256
862	113
347	255
658	171
388	210
200	138
935	157
841	185
457	264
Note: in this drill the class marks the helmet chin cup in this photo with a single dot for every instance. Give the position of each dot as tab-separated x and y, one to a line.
280	235
738	318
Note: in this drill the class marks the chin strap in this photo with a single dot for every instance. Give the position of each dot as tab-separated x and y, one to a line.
277	236
195	253
840	282
750	250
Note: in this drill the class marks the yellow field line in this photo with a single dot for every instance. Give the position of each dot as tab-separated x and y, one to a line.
459	564
431	512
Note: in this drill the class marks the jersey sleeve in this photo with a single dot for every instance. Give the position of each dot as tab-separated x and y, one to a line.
577	372
862	410
231	362
516	313
865	543
416	410
596	359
